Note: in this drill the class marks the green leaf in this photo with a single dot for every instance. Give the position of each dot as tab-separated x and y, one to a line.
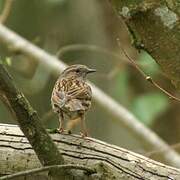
148	64
8	61
149	106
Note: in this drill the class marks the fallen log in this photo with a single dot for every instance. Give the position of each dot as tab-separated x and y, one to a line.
111	162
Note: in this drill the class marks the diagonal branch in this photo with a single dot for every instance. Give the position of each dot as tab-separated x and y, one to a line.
6	11
29	122
126	118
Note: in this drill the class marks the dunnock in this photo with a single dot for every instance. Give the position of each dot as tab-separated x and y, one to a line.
71	97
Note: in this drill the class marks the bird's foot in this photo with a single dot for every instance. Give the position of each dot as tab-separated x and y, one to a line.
83	134
60	130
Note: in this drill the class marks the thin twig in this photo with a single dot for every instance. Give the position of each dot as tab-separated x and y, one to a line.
118	60
47	168
89	47
113	73
6	11
151	153
148	78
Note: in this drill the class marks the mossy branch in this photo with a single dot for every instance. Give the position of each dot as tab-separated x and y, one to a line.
154	26
29	122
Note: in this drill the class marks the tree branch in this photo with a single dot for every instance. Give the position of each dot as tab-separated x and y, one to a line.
91	48
47	168
154	26
148	138
109	161
6	11
29	122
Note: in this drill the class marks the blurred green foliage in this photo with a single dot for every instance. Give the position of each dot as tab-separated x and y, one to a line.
121	86
148	64
149	106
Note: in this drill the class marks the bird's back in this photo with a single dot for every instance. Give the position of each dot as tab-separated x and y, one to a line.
70	95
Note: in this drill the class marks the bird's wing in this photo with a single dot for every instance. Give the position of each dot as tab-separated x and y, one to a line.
59	97
73	94
79	90
80	94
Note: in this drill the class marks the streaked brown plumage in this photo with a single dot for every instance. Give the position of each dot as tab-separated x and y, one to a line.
71	97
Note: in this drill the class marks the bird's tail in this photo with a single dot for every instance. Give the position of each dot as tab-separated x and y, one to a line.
72	123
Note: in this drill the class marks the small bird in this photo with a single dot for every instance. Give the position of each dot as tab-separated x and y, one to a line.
71	97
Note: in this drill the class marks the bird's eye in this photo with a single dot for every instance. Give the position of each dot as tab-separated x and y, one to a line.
77	70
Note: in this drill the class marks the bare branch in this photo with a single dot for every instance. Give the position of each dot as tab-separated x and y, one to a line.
124	117
175	146
6	11
90	47
48	168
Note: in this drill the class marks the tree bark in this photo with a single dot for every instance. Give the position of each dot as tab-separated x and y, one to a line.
110	162
154	26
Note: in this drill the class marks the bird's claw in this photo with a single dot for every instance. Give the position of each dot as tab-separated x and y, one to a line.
60	130
83	134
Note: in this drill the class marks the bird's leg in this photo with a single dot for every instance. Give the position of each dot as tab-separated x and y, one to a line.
72	123
83	126
61	122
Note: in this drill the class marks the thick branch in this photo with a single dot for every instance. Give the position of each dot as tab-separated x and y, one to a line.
15	151
154	26
145	135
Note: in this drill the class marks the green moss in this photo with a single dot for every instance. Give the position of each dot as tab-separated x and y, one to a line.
135	38
30	132
25	104
128	3
105	172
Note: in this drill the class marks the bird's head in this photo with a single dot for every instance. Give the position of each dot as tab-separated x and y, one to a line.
77	70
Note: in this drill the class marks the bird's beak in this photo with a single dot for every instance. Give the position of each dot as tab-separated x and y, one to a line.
91	70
